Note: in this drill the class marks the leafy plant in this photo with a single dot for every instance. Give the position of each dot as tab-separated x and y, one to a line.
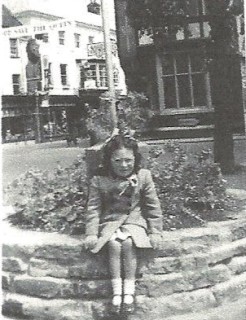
132	111
187	190
51	201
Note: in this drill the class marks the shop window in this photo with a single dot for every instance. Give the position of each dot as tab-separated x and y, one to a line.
42	37
63	69
184	81
77	40
94	7
61	35
14	52
16	83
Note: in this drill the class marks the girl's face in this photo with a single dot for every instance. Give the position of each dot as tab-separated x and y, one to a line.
122	162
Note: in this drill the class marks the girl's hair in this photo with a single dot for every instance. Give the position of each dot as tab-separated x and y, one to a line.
118	142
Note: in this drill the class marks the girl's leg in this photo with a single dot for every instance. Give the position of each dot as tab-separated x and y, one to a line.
130	267
114	251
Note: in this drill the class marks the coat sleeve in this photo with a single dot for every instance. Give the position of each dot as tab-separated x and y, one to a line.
151	203
94	207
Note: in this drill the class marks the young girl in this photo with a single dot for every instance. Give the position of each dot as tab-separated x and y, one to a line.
123	214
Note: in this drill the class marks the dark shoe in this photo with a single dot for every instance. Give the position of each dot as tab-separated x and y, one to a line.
115	309
128	308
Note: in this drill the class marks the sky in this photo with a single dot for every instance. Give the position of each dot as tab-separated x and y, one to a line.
68	9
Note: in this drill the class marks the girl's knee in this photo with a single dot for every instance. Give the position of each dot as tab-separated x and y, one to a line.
127	244
114	245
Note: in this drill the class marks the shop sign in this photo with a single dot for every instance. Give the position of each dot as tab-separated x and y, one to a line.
21	31
97	50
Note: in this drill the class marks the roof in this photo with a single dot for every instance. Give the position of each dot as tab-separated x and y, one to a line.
35	13
8	19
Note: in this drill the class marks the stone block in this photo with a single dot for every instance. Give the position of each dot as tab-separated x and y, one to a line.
24	307
13	265
239	232
207	277
18	251
163	266
169	249
193	248
43	268
175	304
230	290
238	265
207	237
161	285
38	287
93	289
227	251
62	254
194	262
91	266
7	280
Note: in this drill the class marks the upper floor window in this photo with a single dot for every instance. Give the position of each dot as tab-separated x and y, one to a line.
43	37
63	70
61	35
16	83
77	40
90	39
94	7
14	52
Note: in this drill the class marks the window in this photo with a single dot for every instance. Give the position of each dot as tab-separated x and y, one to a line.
63	69
48	77
42	36
97	72
116	76
14	48
16	83
184	81
61	37
90	39
193	27
77	40
94	7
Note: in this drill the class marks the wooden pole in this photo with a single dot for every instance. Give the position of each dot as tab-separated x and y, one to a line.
109	63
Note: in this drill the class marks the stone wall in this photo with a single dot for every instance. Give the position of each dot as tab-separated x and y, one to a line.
50	276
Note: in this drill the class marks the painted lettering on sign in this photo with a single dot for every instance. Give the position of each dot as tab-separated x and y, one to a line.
29	30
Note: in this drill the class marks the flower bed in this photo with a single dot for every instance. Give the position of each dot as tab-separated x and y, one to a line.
191	193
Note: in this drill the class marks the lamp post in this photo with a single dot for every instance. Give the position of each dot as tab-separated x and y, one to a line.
109	64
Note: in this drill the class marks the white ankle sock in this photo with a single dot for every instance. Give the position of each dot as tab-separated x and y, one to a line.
129	290
117	291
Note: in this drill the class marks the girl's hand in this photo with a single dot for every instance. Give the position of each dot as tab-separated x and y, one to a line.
90	242
155	240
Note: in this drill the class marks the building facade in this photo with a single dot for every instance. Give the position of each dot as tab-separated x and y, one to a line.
176	48
72	59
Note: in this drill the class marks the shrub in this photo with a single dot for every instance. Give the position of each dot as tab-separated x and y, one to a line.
189	192
132	111
53	201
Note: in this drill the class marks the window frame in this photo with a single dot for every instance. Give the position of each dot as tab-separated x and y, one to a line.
14	49
77	40
16	84
160	81
61	37
64	77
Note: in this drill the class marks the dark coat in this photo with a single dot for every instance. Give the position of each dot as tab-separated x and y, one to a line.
137	208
